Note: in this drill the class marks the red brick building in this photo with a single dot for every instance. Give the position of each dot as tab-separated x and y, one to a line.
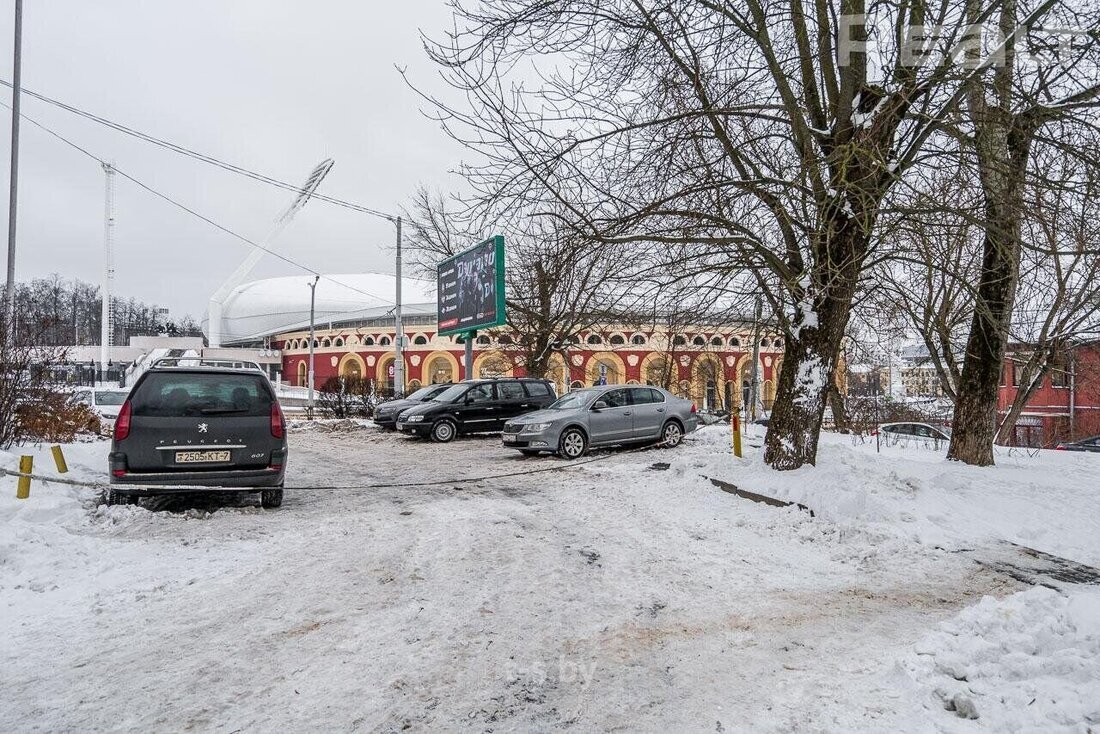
711	366
1065	407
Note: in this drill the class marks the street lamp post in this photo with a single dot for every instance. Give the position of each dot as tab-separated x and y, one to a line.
399	330
13	191
309	379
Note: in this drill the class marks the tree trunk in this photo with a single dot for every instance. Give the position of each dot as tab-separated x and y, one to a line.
809	366
974	424
840	408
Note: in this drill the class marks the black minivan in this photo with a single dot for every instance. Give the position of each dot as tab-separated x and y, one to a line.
476	406
199	426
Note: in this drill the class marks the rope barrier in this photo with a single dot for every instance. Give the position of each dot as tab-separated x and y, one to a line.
379	485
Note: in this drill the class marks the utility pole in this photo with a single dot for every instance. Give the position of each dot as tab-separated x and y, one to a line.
399	331
13	190
754	388
468	338
309	379
107	324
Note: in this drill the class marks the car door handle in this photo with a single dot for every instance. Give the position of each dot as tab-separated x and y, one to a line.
660	410
626	412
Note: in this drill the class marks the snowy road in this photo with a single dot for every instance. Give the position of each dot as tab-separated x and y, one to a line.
608	597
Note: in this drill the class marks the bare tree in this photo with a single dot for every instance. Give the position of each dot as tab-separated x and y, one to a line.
557	283
1014	105
767	133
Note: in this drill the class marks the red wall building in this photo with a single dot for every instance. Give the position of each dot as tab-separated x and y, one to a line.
1065	406
709	366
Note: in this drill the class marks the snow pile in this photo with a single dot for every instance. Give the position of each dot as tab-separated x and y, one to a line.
1028	662
1047	502
331	425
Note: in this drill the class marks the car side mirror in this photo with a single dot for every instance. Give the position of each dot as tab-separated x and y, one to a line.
600	405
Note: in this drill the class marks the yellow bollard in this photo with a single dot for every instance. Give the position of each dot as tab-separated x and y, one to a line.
736	435
59	459
26	466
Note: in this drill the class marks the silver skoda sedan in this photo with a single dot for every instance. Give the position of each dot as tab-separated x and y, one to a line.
602	416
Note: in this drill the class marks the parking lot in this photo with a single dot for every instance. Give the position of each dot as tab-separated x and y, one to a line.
605	596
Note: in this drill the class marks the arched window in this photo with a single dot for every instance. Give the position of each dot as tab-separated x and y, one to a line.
338	341
657	372
420	339
699	341
368	341
764	342
617	339
384	341
484	340
576	385
777	342
679	341
716	341
638	339
594	339
459	339
326	342
301	374
504	339
735	342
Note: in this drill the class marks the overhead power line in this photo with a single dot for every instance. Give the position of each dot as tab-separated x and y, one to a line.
191	211
182	150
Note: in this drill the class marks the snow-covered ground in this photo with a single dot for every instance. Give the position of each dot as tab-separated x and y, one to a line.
607	596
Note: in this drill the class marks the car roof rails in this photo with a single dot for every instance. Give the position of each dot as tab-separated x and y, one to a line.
236	364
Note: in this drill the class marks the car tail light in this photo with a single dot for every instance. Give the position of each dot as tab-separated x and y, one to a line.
118	472
122	423
874	432
278	424
693	408
1060	447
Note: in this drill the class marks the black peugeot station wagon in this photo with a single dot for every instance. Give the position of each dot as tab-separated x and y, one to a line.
204	426
476	406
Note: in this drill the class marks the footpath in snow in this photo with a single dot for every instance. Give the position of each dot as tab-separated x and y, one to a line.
609	596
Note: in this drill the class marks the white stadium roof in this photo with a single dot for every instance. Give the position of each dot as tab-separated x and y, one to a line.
262	308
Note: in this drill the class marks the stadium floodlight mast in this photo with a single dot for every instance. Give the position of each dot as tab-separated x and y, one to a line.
217	301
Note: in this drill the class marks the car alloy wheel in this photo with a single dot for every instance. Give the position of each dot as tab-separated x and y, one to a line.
443	431
671	435
572	444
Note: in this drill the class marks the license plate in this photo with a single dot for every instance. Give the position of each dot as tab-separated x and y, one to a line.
201	457
509	438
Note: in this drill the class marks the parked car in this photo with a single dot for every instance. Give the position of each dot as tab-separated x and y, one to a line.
919	433
385	414
106	402
1085	444
603	416
199	426
476	406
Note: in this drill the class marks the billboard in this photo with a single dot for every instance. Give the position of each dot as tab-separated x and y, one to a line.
470	289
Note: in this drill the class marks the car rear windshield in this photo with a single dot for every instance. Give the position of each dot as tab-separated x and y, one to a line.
110	397
173	394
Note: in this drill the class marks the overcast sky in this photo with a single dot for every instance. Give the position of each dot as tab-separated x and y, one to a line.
271	85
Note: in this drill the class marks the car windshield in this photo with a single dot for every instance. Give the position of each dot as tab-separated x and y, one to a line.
426	393
573	400
451	394
110	397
